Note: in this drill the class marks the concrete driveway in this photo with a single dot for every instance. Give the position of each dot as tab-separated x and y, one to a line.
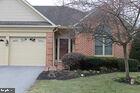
20	78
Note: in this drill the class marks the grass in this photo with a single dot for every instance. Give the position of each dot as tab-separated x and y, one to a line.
95	84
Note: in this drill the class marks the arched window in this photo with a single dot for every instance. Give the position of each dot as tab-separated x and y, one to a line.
103	43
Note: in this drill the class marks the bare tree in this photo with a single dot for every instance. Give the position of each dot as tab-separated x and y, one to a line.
121	15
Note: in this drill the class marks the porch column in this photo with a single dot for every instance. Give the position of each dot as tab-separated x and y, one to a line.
49	50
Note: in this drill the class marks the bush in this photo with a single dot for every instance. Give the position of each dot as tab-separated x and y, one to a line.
76	61
133	65
96	63
113	64
73	60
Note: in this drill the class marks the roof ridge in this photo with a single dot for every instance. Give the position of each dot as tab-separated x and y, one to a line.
60	6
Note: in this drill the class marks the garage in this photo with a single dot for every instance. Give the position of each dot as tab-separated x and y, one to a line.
23	51
27	51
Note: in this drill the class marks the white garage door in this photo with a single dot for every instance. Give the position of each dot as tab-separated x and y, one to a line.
3	56
27	51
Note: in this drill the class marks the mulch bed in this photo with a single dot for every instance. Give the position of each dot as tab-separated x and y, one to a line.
65	74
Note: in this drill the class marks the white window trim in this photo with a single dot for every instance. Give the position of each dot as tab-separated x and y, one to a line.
58	47
103	47
103	55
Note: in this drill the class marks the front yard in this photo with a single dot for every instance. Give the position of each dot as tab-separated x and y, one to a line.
95	84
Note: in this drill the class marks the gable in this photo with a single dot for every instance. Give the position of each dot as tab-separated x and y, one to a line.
61	15
17	10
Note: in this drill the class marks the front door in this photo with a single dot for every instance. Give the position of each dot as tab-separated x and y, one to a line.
64	47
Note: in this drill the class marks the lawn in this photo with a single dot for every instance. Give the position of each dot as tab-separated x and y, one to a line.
95	84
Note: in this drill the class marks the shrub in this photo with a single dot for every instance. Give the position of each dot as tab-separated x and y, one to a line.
113	64
104	64
96	63
72	60
133	65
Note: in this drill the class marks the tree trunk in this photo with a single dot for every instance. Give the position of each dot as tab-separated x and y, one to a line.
126	61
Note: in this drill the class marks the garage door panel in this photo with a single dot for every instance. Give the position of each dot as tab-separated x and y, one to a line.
27	51
3	56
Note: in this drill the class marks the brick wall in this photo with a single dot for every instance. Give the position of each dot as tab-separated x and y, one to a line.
49	49
118	50
84	43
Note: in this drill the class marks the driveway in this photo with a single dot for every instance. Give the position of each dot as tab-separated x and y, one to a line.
20	78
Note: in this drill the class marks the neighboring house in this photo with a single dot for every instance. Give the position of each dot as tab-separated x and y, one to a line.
39	35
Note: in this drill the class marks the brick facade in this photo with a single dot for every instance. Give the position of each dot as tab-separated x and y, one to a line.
118	51
85	44
49	50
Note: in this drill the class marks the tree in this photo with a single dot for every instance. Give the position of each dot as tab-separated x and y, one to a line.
122	15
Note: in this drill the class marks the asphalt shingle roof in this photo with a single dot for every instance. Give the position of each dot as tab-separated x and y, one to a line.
61	15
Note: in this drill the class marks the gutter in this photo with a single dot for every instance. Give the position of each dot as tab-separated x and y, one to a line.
18	26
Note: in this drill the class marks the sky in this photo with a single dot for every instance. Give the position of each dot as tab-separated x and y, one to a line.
44	2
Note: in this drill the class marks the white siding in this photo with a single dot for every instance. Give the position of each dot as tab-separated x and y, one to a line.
16	10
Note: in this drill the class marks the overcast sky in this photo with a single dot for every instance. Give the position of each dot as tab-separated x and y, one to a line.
43	2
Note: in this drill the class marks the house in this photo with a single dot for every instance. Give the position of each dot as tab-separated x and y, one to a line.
40	35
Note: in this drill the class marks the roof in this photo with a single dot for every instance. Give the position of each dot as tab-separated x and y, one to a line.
61	15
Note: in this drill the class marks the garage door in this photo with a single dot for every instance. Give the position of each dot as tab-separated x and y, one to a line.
3	56
27	51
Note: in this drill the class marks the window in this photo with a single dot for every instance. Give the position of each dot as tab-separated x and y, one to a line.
108	47
103	45
98	46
